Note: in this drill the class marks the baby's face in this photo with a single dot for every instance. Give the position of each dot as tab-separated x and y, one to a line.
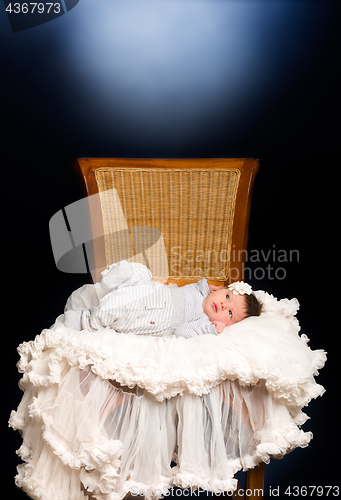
222	305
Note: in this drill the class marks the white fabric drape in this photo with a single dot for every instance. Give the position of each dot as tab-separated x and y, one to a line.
212	404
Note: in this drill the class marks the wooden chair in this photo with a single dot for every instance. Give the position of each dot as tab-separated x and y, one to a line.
184	218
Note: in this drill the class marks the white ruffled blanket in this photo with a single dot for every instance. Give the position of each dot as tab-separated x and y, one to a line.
213	404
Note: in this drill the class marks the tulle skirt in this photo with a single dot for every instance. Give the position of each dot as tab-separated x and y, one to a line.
104	414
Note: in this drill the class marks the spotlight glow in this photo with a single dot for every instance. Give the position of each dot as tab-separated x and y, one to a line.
167	71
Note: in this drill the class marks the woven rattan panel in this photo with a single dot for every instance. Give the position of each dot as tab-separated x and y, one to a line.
178	222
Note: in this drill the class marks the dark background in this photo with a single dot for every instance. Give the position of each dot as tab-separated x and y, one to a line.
171	78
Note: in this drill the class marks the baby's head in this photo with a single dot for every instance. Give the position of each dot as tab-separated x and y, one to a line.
232	304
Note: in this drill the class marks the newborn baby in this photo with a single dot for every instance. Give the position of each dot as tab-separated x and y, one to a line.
134	303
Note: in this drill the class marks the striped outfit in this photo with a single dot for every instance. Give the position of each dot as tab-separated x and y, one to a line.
134	303
195	321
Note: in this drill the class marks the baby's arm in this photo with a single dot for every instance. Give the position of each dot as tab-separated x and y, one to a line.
197	327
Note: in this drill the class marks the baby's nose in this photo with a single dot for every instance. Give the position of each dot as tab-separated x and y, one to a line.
223	306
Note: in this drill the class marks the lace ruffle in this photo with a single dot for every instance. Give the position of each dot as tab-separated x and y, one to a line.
97	438
196	366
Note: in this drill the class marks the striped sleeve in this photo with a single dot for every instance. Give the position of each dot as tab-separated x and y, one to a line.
199	326
137	309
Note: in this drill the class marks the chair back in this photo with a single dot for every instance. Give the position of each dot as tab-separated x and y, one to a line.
186	219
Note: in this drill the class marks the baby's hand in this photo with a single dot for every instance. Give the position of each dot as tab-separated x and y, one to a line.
213	288
219	326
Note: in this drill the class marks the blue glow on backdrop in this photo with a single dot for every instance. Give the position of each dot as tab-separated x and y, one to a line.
155	73
162	71
147	61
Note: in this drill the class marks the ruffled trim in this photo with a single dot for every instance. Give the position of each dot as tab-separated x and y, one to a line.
128	360
102	481
32	487
102	455
279	442
272	306
98	461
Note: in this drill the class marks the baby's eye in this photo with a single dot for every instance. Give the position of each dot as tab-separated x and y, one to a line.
230	314
227	297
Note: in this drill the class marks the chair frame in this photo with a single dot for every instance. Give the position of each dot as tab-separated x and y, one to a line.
248	169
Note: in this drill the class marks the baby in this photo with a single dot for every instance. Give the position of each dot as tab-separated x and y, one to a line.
133	303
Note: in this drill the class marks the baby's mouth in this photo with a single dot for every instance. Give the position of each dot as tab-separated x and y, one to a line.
215	307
